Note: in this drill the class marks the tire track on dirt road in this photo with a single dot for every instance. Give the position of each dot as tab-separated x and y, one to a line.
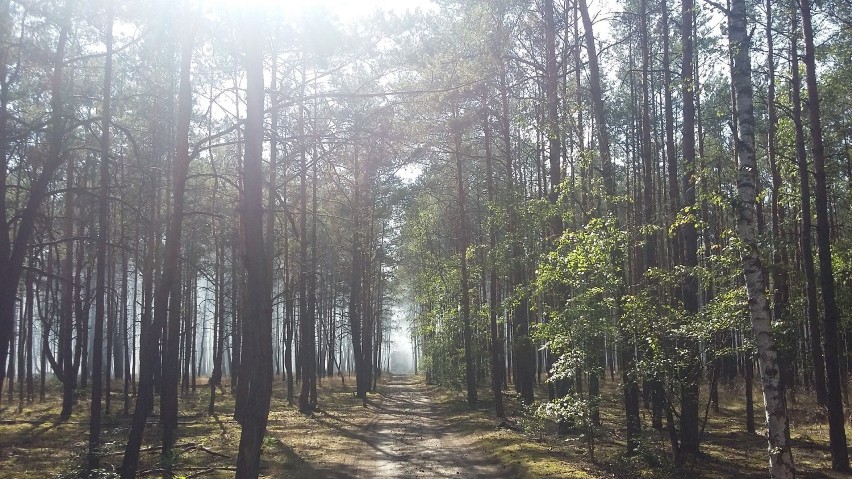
409	436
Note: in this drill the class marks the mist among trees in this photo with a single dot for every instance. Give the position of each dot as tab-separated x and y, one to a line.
614	233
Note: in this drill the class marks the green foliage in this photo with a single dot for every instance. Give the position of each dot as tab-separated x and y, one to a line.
579	274
269	442
571	407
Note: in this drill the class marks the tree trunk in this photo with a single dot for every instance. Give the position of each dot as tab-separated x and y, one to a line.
834	401
631	388
30	317
271	200
255	386
673	191
313	311
780	457
807	252
608	176
368	324
149	350
218	315
521	355
171	363
93	458
470	375
780	286
5	247
12	255
691	372
67	370
355	283
496	339
307	302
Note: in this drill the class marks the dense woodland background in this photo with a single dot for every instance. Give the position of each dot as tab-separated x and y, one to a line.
196	196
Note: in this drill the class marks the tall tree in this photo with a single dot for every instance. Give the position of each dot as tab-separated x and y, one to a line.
497	365
103	233
13	250
463	244
691	373
307	301
609	183
5	247
805	237
169	275
255	386
780	457
356	312
834	401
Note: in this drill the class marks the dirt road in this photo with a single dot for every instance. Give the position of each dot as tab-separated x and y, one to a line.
409	436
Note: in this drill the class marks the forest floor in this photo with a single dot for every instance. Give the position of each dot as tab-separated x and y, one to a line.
406	429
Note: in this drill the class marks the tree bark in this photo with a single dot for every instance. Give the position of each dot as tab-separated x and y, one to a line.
67	372
780	457
307	302
470	375
691	372
93	458
805	236
834	400
255	387
149	350
12	254
608	176
496	341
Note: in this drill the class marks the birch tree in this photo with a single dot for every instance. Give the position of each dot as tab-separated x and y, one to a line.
780	457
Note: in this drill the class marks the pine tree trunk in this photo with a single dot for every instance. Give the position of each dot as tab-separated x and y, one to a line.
255	386
780	285
608	176
834	400
355	282
218	313
496	340
307	308
805	236
470	376
149	350
93	458
312	281
691	372
520	354
66	326
631	388
6	282
12	254
30	309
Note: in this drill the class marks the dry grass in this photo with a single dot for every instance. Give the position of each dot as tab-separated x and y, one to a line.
728	450
34	444
329	442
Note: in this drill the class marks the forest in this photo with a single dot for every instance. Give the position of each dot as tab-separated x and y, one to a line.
430	238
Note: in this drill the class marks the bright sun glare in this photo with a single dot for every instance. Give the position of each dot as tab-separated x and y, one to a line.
346	10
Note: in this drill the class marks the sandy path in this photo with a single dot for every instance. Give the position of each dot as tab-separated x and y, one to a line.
409	436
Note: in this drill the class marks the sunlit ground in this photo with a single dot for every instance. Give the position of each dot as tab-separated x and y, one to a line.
330	442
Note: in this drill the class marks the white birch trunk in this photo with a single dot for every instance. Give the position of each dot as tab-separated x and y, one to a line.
780	457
